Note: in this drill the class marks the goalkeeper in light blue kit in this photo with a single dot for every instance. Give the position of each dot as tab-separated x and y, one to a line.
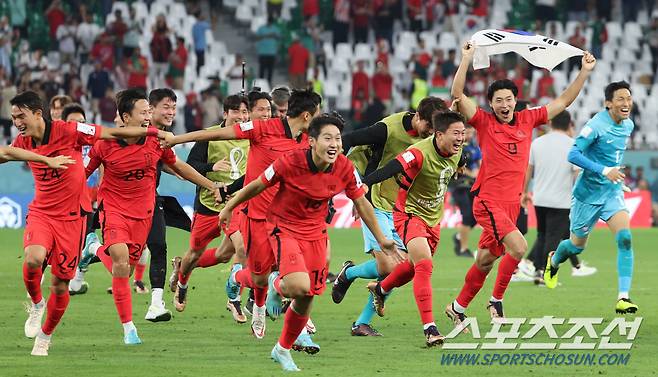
599	151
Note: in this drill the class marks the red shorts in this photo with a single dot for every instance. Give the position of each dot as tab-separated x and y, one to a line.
63	241
409	227
298	255
205	228
260	257
117	228
497	221
236	221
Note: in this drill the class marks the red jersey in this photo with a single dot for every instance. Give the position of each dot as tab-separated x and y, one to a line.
60	193
304	192
505	152
129	179
269	139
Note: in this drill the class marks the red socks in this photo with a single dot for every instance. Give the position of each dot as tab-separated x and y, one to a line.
505	271
293	324
423	290
472	284
55	310
122	298
32	280
139	271
183	279
277	286
401	275
207	259
243	277
260	294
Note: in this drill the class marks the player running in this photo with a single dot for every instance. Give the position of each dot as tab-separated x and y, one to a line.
55	226
505	138
268	140
127	198
599	150
425	169
210	159
382	141
296	229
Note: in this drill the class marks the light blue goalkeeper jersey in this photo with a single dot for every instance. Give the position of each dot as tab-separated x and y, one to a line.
603	141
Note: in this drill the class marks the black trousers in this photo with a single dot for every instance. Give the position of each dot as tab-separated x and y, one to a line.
157	244
552	228
266	66
464	200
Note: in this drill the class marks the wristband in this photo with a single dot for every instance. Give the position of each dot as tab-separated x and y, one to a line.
152	131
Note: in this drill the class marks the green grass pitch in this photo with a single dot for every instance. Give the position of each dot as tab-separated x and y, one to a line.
205	341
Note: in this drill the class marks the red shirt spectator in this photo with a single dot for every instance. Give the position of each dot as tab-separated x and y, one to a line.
138	68
481	8
382	83
360	81
545	86
299	56
438	81
56	17
179	58
361	13
311	8
103	51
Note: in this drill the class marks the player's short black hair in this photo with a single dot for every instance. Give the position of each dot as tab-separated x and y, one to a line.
561	121
255	95
502	84
441	120
319	122
303	100
280	95
28	100
126	100
234	101
159	94
428	106
615	86
73	108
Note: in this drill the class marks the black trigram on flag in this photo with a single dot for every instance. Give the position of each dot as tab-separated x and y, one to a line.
494	36
533	48
550	41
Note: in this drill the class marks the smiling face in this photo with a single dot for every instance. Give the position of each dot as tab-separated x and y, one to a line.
164	113
261	110
240	115
502	103
327	145
26	120
451	141
621	105
140	116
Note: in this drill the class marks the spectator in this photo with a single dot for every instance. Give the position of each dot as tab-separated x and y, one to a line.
193	113
274	8
599	36
382	51
138	69
66	34
359	104
280	97
629	10
448	67
56	17
5	29
375	111
577	40
415	15
177	64
360	82
234	76
5	59
199	36
7	92
521	81
419	90
212	109
384	18
117	30
97	85
315	30
545	10
133	33
438	81
651	37
108	108
103	51
315	83
160	50
298	64
361	10
18	16
642	183
341	24
310	9
382	84
267	47
577	10
545	87
629	180
56	106
87	33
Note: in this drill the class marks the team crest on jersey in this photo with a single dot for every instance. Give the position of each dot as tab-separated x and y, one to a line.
247	126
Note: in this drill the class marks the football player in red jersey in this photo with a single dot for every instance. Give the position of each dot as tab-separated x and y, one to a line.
296	230
126	197
505	138
55	224
269	139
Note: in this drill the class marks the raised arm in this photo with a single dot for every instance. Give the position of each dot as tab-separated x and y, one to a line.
464	104
224	133
374	135
18	154
181	168
254	188
569	95
387	171
128	132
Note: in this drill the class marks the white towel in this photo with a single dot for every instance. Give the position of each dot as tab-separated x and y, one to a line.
537	49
